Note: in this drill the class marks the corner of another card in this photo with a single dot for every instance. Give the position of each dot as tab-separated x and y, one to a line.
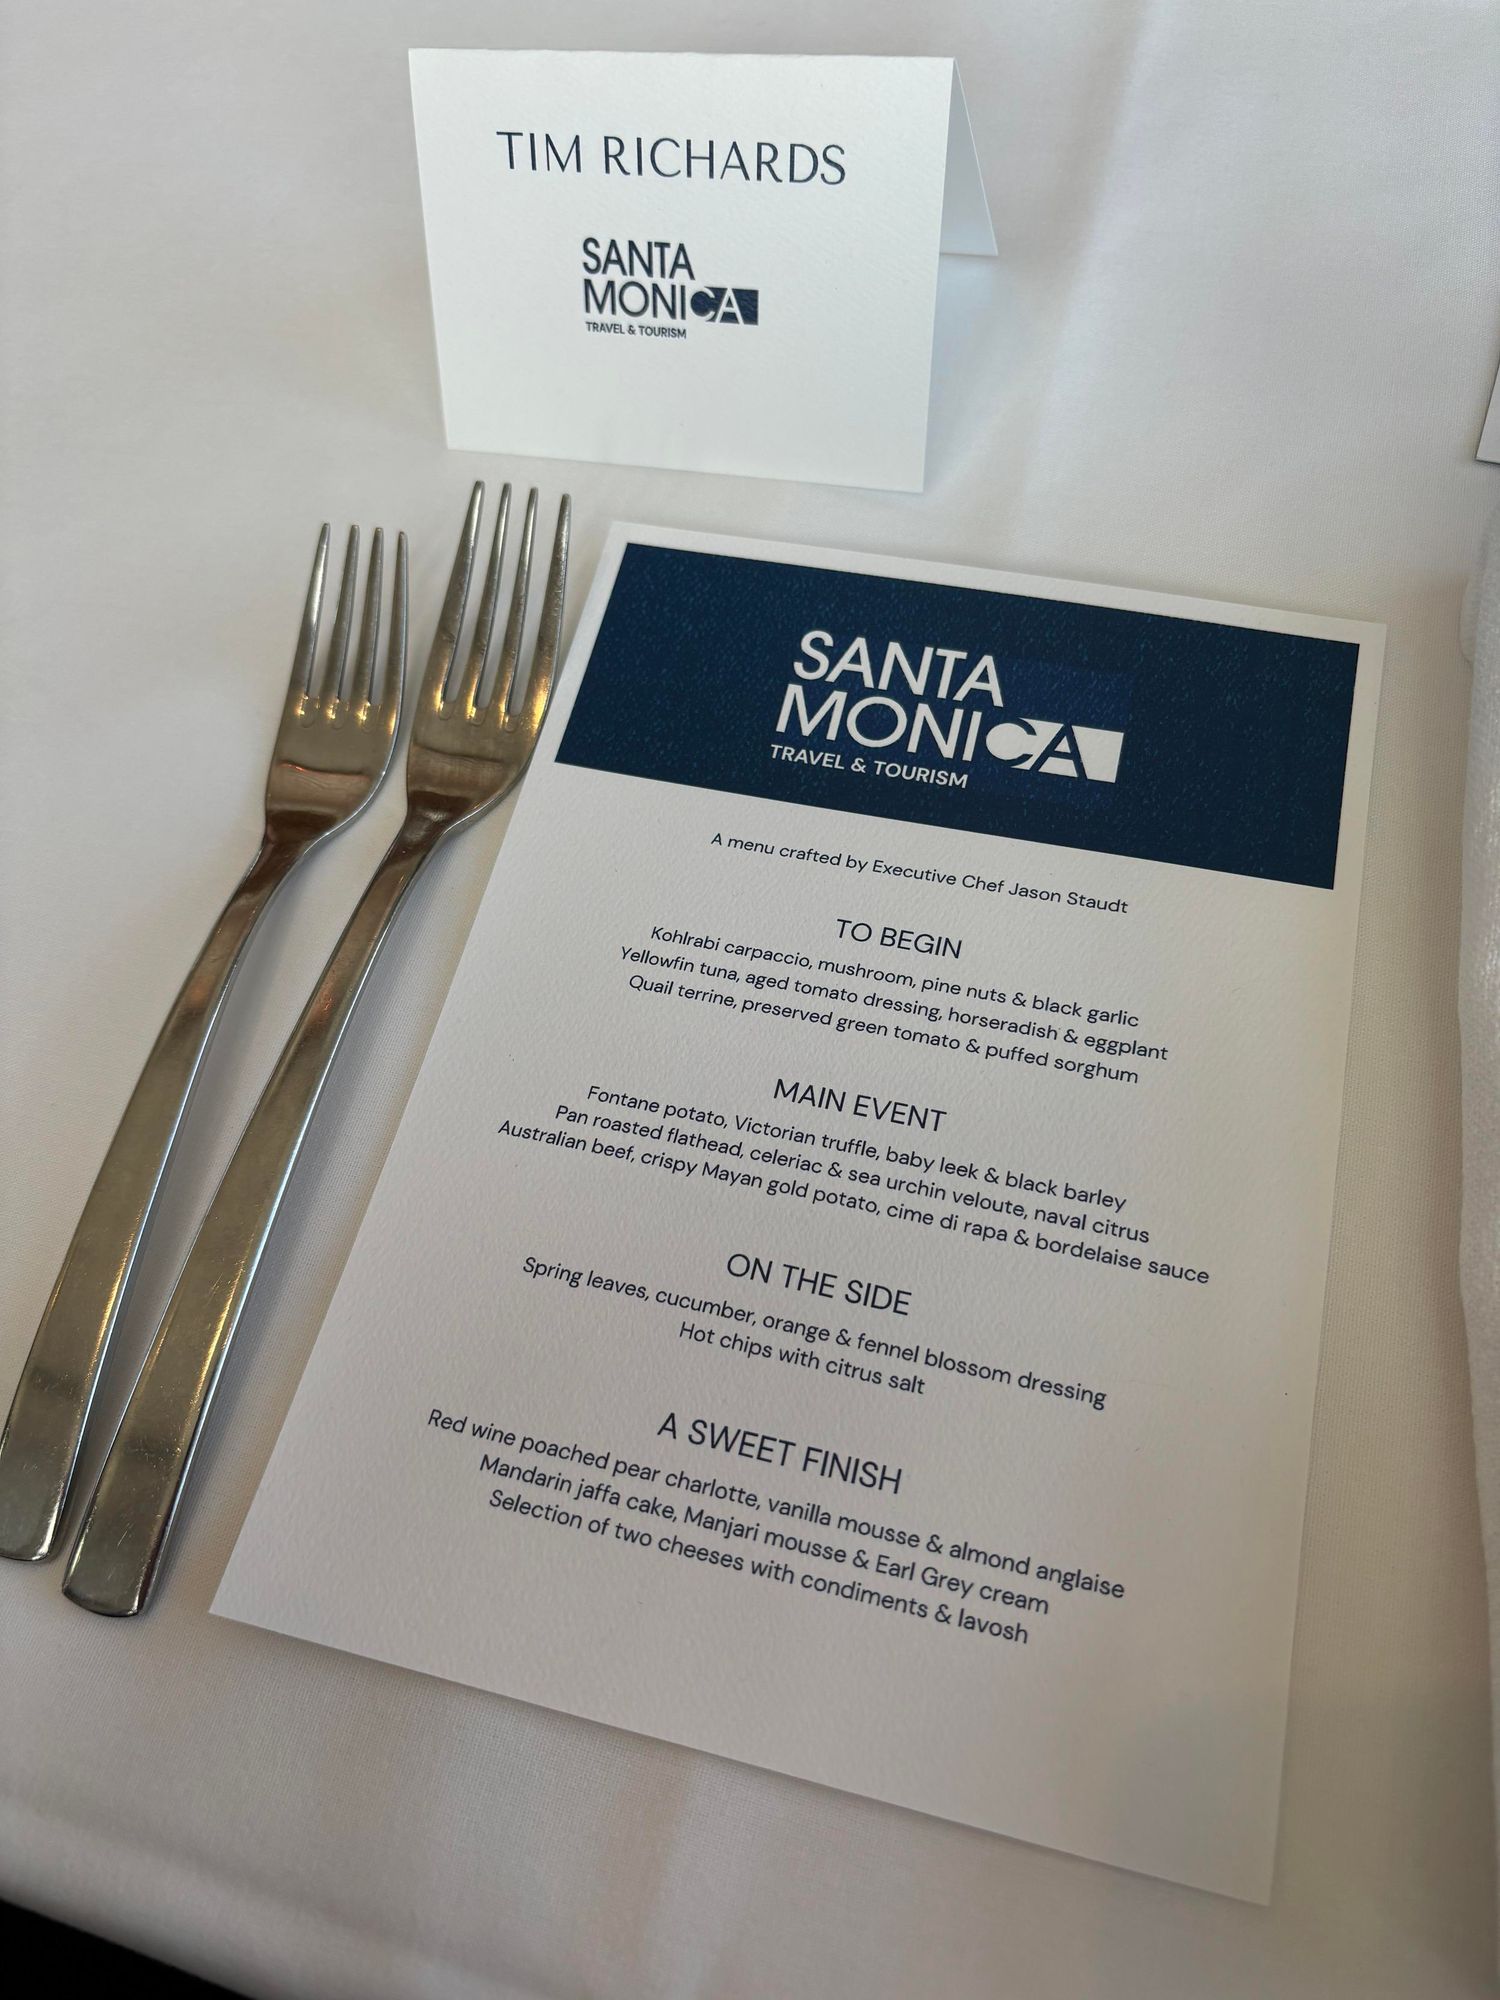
1488	448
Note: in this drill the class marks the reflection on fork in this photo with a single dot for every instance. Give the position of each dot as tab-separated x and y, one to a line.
466	754
332	749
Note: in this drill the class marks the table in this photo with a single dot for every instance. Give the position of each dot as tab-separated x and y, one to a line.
1238	343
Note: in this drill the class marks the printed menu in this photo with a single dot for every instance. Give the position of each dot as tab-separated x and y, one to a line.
845	1294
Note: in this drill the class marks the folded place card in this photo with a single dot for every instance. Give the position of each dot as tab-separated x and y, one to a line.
715	263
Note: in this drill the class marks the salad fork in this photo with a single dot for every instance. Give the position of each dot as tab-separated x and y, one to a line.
332	749
466	754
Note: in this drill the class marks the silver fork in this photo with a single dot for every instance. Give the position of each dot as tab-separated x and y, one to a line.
465	756
332	749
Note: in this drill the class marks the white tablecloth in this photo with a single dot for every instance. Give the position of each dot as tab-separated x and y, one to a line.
1238	343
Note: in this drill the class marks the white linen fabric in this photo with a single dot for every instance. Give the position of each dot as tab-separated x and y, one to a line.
1479	1025
1238	343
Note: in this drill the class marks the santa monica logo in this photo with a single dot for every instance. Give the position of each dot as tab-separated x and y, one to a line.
654	282
942	707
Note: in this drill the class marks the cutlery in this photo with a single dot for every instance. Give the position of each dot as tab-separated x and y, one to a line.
465	755
332	749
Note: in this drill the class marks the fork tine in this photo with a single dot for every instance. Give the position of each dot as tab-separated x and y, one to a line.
515	623
369	631
549	631
312	612
343	621
484	623
395	660
450	624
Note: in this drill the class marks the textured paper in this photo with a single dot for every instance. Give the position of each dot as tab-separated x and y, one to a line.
1041	1571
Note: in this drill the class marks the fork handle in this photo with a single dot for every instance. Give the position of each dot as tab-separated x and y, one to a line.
44	1431
125	1531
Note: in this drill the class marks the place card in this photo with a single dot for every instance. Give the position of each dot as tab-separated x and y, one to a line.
845	1293
715	263
1489	437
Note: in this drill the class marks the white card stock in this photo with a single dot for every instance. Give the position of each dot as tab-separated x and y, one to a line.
714	263
846	1291
1489	437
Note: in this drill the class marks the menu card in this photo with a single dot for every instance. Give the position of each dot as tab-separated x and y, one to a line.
845	1294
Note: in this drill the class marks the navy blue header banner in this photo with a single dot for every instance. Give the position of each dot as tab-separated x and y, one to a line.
1081	725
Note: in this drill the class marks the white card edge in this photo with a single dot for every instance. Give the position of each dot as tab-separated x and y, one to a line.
972	233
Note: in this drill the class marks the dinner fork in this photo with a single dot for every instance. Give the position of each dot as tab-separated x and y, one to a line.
332	749
466	754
